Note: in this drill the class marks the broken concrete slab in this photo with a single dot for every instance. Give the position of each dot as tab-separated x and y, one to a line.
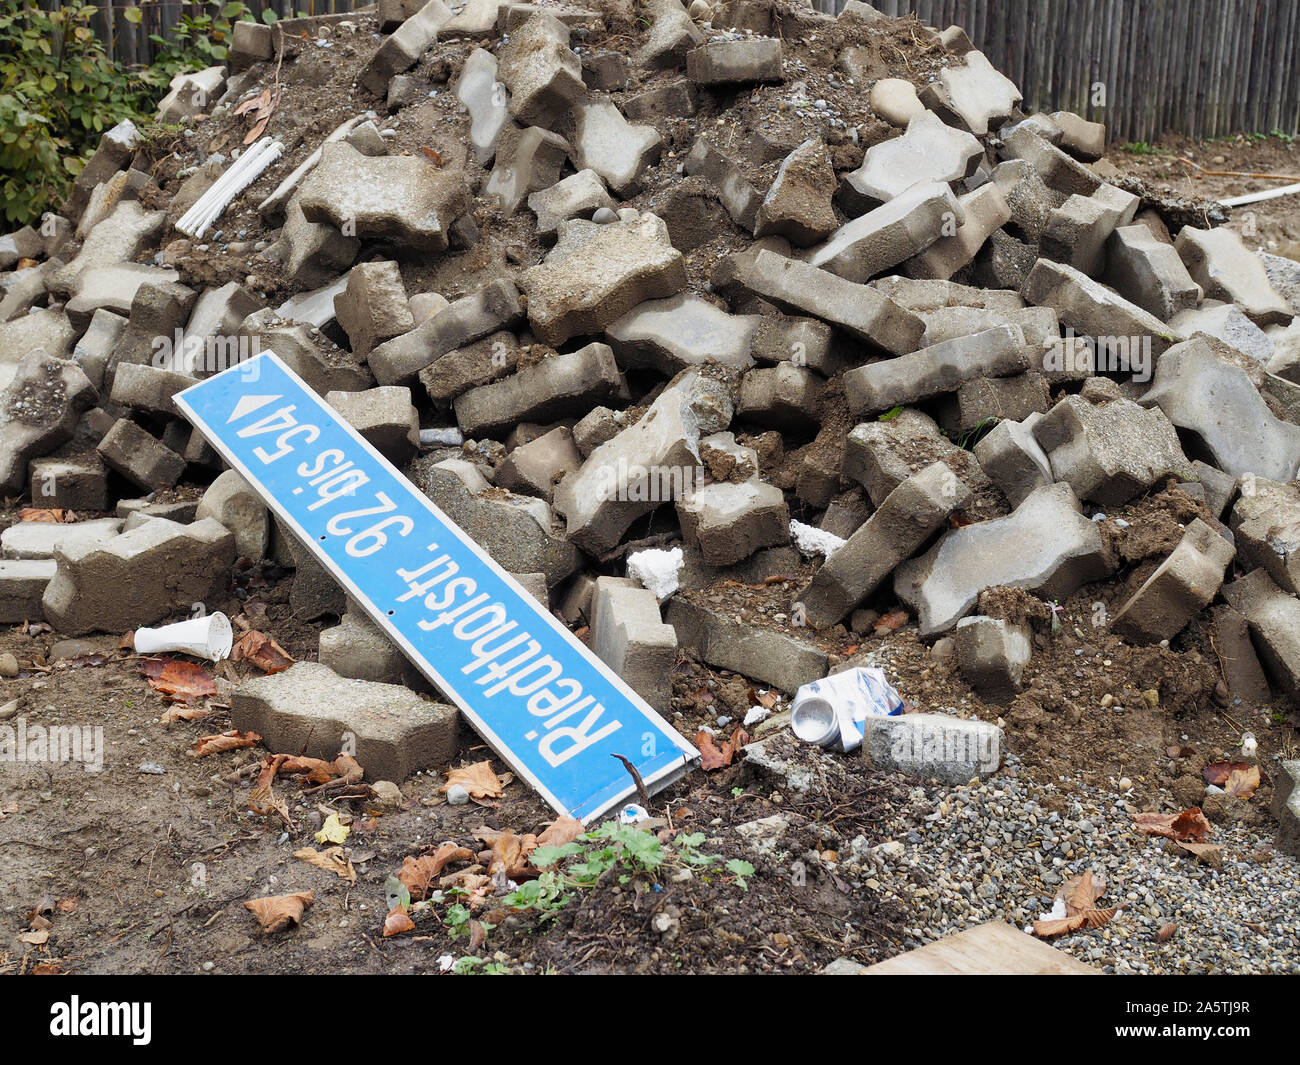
741	200
86	592
1045	546
731	521
140	457
793	286
975	96
1241	669
39	539
683	330
939	747
1266	521
1227	270
1182	585
148	389
373	307
489	309
119	238
992	654
1227	322
541	72
39	410
402	49
535	468
651	462
798	204
1274	619
388	728
1110	452
403	198
766	655
23	583
1150	273
738	61
597	273
322	365
1214	402
781	395
618	150
577	196
384	416
983	402
899	230
356	648
1077	231
557	387
982	212
233	502
1057	169
905	520
629	636
486	100
481	362
517	531
1117	327
929	151
78	482
997	352
527	160
1013	459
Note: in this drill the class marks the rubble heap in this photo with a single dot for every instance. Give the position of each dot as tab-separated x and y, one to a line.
540	254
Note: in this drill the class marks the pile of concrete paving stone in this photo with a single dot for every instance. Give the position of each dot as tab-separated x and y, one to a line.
959	345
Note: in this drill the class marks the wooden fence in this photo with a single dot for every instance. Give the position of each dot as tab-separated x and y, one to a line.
1206	68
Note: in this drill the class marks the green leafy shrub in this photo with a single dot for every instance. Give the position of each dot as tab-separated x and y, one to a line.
59	91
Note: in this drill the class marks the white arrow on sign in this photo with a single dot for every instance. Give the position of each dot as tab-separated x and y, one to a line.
248	404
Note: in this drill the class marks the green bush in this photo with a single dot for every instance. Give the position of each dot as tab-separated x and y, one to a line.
59	91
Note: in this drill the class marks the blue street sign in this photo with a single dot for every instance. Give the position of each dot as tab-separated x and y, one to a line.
540	699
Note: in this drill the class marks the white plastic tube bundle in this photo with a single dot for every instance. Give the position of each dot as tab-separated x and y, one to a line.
238	176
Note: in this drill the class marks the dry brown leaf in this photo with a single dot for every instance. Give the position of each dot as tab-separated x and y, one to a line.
255	103
1210	853
1081	893
178	681
432	155
332	860
67	905
1242	782
262	651
894	619
397	922
714	757
37	938
560	831
417	874
1166	932
279	912
1217	773
224	741
183	713
1190	824
478	779
50	514
1058	926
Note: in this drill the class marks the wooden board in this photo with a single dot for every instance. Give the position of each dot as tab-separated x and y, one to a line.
995	948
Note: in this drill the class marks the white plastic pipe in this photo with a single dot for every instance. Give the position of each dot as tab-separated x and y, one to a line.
1256	197
237	177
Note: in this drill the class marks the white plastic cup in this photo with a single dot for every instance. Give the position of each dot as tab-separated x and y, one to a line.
207	637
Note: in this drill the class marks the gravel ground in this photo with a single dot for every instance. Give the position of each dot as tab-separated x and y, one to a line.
962	856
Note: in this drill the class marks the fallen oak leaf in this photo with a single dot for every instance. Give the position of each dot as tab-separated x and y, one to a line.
278	912
332	860
478	779
224	741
